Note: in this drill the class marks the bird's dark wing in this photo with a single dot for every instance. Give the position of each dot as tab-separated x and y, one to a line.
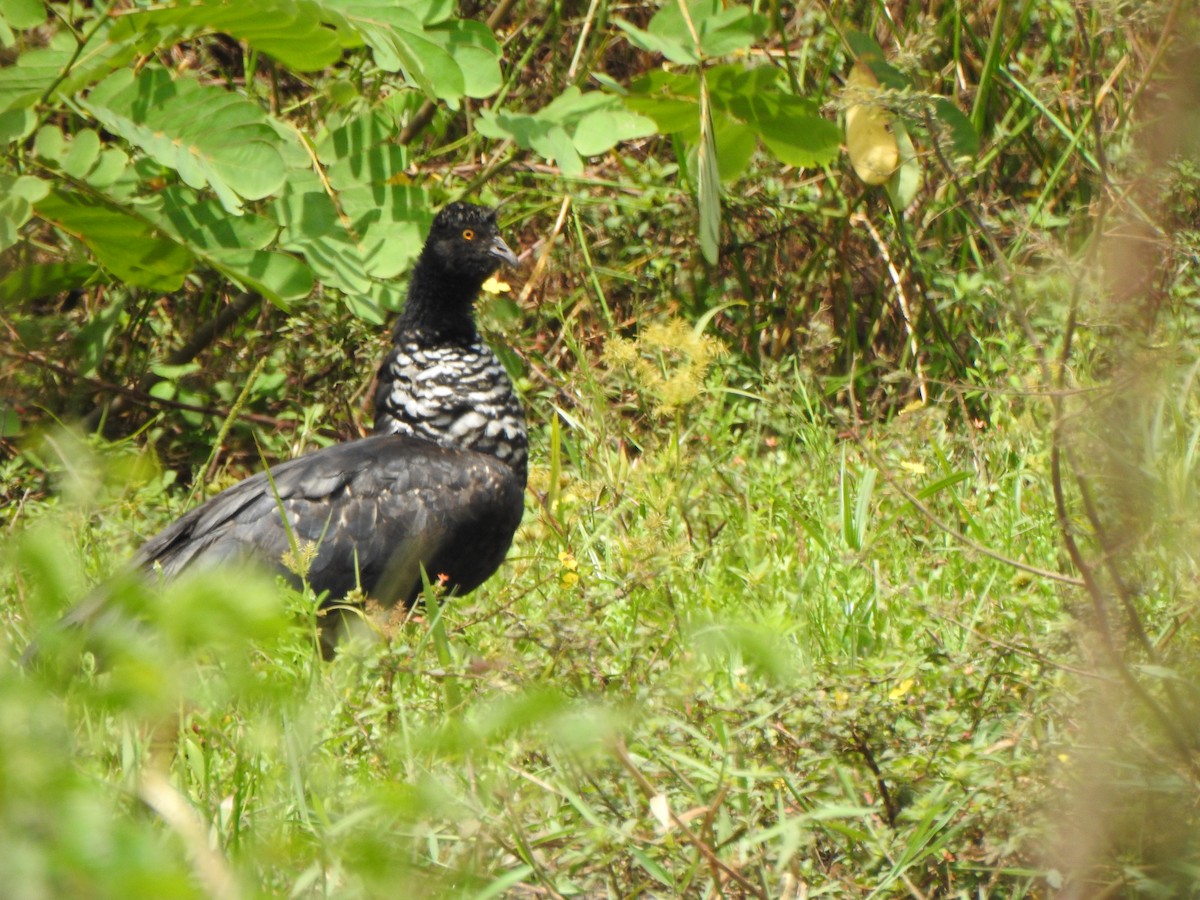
377	509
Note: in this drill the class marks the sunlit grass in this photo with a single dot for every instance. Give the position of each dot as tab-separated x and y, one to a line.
761	651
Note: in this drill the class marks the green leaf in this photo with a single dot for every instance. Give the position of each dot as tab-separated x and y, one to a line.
963	136
43	280
125	245
83	153
670	115
210	136
729	30
111	165
902	187
398	42
391	221
788	125
82	157
23	14
90	344
18	193
21	85
204	225
233	245
37	71
446	58
475	51
50	144
942	484
737	89
16	125
292	31
10	423
367	169
355	136
708	194
277	276
313	228
600	131
573	124
656	871
27	187
801	140
674	49
718	30
735	145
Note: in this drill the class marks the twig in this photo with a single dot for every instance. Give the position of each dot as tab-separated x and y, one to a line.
203	337
925	511
210	867
1024	651
141	396
540	266
648	790
864	750
901	300
583	33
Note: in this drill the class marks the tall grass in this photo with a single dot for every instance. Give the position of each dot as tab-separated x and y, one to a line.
777	627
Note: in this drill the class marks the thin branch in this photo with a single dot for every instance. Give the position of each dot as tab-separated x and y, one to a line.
648	790
925	511
141	397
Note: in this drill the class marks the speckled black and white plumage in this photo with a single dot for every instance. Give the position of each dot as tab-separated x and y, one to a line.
456	396
440	484
441	382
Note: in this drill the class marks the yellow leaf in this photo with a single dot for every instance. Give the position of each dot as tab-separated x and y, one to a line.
901	689
873	149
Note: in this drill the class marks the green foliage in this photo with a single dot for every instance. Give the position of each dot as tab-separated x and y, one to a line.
572	126
804	617
688	33
447	58
209	136
354	228
719	113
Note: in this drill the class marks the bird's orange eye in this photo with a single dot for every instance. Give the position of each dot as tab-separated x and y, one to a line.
468	234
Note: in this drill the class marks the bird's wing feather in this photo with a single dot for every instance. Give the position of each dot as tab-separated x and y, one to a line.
377	508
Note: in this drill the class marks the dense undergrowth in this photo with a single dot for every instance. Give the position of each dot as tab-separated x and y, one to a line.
856	562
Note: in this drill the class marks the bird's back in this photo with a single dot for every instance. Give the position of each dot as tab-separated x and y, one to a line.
373	511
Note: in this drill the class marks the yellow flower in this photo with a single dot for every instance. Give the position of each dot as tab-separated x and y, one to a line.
495	286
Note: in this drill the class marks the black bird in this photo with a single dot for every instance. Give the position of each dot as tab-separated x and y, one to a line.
439	484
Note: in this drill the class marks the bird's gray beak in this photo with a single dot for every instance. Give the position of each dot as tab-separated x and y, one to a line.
500	249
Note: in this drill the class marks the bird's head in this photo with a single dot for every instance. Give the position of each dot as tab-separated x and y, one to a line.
465	242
